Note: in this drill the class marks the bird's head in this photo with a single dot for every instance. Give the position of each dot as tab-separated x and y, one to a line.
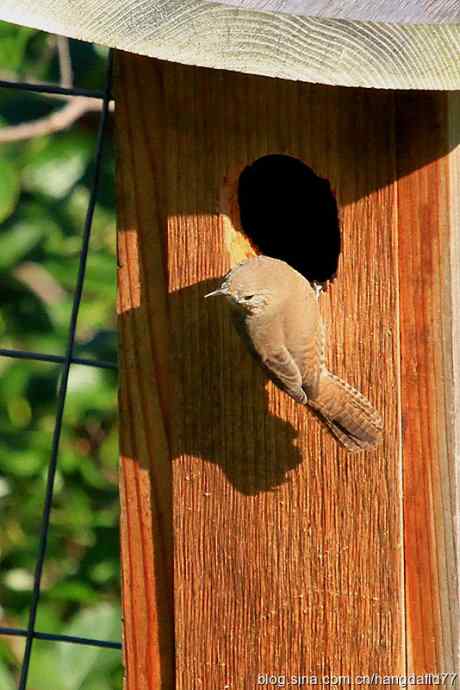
248	287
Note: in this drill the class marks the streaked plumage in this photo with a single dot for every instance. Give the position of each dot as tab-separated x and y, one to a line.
276	311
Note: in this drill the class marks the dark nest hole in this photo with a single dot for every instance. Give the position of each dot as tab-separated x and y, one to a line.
290	213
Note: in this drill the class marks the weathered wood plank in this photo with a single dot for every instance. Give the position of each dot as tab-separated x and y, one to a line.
287	551
427	238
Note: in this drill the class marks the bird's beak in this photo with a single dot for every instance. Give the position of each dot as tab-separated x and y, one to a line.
220	291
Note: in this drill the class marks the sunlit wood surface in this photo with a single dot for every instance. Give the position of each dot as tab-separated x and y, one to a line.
251	542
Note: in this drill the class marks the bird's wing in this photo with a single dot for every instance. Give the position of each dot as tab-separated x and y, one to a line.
305	340
313	361
283	370
275	359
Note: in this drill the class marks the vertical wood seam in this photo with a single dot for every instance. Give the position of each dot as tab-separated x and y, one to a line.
153	351
454	206
404	634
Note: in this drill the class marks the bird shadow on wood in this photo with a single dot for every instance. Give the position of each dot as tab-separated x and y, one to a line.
221	410
191	391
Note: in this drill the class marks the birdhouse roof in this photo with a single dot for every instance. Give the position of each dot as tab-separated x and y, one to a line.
371	43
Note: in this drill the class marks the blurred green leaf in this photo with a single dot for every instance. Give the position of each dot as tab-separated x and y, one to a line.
44	672
59	164
65	666
13	42
17	242
9	188
25	232
7	681
102	622
73	590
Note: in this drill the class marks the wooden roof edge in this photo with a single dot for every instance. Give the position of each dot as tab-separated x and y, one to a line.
228	35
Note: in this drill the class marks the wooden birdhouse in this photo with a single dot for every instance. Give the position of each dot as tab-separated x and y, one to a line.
254	546
256	551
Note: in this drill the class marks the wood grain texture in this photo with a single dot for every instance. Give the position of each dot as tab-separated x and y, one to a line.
145	472
428	240
454	247
354	43
395	11
287	551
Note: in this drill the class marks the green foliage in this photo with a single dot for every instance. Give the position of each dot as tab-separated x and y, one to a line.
27	54
9	189
44	195
76	667
13	44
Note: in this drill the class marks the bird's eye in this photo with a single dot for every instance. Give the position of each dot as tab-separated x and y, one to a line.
248	297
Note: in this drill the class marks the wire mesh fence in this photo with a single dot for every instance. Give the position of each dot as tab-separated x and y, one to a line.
65	361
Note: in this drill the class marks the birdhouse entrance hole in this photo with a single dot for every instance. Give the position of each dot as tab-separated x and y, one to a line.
290	213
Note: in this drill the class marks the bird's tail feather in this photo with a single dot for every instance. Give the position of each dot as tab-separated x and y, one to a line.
349	415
